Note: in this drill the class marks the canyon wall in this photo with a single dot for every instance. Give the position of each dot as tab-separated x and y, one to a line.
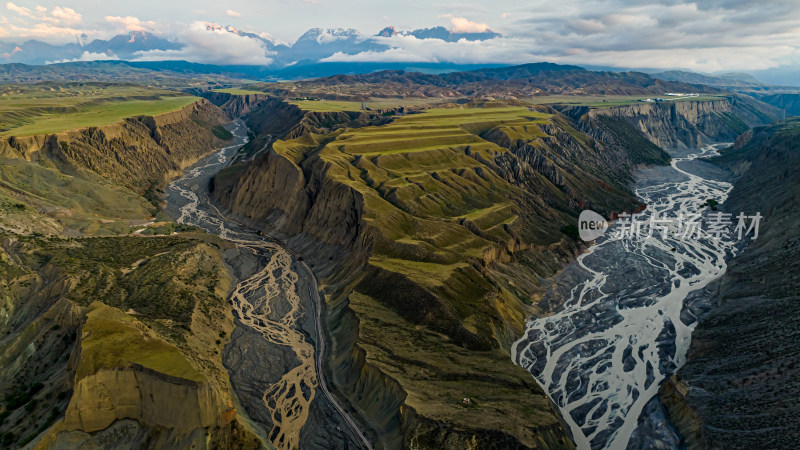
675	124
739	387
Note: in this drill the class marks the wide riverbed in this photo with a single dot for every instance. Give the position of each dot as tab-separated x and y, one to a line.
276	354
626	314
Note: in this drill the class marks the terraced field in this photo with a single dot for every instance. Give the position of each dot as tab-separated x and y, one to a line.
431	165
431	186
50	108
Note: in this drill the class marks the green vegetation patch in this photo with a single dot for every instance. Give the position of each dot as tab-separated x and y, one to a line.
161	278
81	201
29	111
112	339
221	133
326	105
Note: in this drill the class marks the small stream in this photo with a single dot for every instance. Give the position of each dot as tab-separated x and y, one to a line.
624	324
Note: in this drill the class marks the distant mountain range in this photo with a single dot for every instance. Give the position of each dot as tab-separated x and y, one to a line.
313	46
522	81
123	46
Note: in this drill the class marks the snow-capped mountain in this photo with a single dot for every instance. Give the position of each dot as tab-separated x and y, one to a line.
439	33
269	41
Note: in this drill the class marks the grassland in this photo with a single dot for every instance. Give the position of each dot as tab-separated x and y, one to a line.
37	197
112	339
28	111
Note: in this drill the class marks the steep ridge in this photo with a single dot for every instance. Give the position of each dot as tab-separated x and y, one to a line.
675	124
137	152
788	102
737	389
432	234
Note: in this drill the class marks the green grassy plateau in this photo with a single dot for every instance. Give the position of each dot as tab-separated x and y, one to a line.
48	109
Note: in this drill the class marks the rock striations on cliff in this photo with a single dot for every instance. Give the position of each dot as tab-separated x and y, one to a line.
135	152
739	387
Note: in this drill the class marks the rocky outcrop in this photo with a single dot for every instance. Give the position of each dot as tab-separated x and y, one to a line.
741	370
236	105
135	152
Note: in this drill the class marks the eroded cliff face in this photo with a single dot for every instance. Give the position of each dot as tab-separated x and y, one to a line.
675	124
740	384
236	105
136	152
429	281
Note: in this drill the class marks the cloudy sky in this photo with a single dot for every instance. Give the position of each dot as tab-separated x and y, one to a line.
708	36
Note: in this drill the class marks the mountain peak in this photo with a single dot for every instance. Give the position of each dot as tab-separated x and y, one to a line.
327	36
439	32
387	32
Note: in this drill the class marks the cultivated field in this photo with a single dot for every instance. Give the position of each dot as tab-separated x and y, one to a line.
50	108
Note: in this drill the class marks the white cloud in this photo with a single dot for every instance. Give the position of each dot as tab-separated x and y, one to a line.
66	15
57	27
87	56
130	23
21	10
45	31
518	50
707	36
212	45
410	49
463	25
232	13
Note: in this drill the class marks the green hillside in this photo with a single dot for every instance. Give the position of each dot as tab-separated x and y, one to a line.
49	108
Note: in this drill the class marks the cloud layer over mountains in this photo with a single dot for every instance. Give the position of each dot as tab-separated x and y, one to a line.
707	35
